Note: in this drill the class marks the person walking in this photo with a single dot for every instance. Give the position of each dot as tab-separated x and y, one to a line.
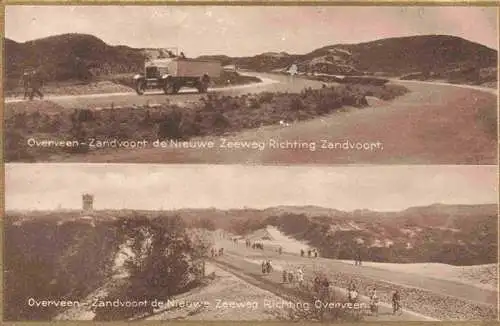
36	83
374	302
396	302
352	294
26	81
300	276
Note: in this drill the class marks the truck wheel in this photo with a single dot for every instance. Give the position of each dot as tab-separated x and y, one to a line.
140	87
170	88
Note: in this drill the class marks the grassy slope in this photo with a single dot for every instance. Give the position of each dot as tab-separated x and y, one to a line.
213	116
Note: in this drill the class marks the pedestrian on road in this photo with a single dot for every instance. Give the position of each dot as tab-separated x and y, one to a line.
396	302
301	252
26	80
36	84
300	276
263	267
269	268
353	295
285	275
317	284
374	302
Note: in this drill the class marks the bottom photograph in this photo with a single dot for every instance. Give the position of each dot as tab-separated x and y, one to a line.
257	243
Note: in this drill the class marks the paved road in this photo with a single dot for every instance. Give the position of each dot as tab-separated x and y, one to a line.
435	123
272	282
438	297
270	82
441	287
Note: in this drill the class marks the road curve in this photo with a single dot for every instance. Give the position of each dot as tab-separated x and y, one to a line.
272	282
240	256
435	123
269	82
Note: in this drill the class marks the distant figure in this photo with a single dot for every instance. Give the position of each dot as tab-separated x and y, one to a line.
183	56
290	277
221	251
317	283
269	267
374	302
26	80
280	250
309	253
396	302
263	267
36	84
315	254
357	261
325	288
300	276
301	252
285	275
353	294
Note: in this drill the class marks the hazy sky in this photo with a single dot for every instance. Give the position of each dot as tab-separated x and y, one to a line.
237	30
46	186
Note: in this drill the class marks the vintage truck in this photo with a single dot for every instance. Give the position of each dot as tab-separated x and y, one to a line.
171	74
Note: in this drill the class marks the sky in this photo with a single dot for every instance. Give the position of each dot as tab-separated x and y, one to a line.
141	186
250	30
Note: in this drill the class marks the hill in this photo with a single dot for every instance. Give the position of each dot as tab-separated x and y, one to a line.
443	57
452	234
69	57
81	56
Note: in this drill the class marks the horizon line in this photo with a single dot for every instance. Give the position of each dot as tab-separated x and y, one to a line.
256	54
242	208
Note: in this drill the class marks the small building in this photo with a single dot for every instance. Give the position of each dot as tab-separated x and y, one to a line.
87	202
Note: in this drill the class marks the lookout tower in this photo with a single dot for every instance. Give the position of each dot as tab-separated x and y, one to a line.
87	202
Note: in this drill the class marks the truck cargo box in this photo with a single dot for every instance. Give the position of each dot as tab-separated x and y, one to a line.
194	68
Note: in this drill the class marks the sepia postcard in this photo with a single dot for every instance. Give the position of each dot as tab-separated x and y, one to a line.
251	84
250	163
250	243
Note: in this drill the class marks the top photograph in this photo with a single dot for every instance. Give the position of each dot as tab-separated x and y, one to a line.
266	85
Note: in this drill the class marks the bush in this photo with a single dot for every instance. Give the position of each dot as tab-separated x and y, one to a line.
161	266
213	115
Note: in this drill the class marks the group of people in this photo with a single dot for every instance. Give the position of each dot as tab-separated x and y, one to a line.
216	252
267	267
322	286
310	252
32	83
374	299
257	245
290	277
